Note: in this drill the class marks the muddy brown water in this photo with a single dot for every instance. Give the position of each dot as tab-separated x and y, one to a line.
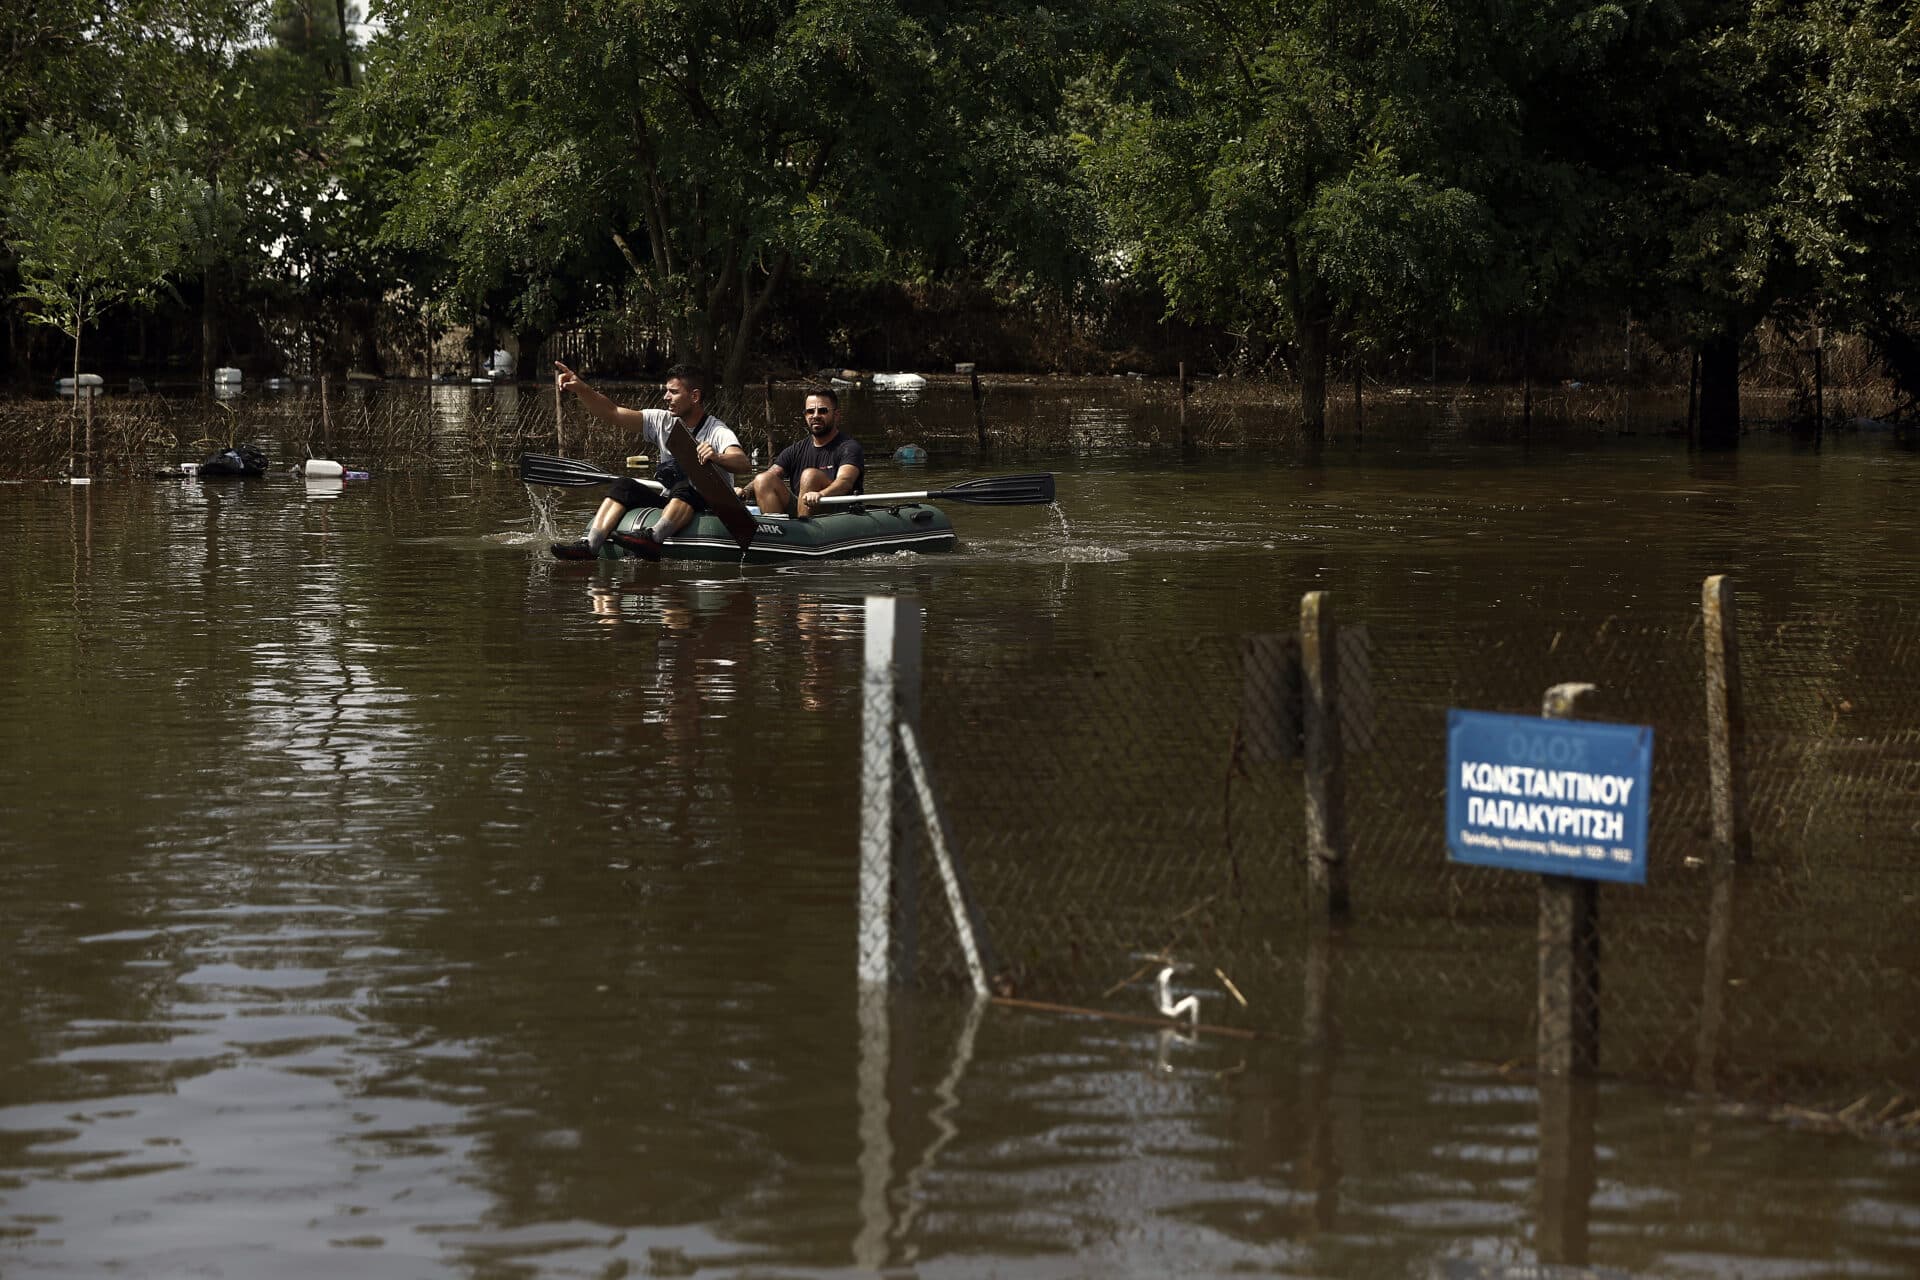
382	898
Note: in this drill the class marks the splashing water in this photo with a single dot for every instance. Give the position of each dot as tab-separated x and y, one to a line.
545	504
1066	532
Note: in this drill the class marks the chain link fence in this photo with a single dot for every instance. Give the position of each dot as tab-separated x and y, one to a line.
1129	810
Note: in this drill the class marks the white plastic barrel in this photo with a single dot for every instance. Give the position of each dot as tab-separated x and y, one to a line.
226	376
91	385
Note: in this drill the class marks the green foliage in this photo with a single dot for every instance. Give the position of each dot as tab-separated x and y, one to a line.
1290	182
1318	177
93	225
718	147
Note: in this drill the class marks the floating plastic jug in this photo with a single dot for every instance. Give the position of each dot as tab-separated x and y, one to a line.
327	469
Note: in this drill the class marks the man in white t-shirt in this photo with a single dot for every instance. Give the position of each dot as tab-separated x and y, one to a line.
685	394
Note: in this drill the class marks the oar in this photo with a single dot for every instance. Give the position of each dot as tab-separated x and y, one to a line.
542	468
994	491
721	499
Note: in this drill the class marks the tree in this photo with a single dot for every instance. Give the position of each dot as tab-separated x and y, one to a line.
1774	179
1290	183
92	226
722	147
1847	192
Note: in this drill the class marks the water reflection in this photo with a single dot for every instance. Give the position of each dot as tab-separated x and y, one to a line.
380	898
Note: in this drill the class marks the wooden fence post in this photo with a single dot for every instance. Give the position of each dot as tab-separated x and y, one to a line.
1819	385
1326	782
1726	723
1566	1171
1184	439
1693	393
979	411
1569	947
773	443
1732	838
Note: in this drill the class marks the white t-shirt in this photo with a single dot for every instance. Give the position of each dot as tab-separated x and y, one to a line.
712	431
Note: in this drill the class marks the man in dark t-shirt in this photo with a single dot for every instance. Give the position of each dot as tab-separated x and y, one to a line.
824	465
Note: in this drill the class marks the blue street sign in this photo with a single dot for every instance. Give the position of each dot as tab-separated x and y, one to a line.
1559	797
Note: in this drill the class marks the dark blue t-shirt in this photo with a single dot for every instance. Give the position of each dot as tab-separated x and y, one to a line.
844	451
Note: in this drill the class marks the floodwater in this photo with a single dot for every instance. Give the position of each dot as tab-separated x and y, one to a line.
383	898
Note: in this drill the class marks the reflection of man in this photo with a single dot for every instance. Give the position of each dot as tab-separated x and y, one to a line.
824	465
685	394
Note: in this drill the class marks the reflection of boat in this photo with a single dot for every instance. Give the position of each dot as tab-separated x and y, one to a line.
856	531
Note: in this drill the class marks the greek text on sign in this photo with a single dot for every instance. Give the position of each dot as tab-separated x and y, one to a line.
1560	797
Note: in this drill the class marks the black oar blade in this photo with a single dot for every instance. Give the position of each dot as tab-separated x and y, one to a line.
541	468
721	499
1003	491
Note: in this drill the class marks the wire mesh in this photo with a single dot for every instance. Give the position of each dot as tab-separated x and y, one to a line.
1135	806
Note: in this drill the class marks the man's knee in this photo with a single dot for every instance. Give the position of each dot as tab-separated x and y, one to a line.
629	492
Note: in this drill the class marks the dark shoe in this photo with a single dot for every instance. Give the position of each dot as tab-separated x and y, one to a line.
644	545
578	549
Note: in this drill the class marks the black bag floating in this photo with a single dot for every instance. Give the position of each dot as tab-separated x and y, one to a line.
244	461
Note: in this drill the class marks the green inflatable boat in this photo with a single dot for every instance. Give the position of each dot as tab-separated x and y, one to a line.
834	535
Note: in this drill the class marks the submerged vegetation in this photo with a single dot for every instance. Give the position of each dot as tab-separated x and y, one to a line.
1326	190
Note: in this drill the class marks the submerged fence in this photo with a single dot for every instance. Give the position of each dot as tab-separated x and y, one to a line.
1212	808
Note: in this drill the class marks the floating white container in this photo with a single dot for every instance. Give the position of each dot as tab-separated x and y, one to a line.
899	381
327	469
221	376
91	385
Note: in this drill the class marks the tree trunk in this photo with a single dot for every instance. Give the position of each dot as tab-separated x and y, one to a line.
346	43
753	306
1313	379
1311	322
78	325
366	343
209	332
1720	391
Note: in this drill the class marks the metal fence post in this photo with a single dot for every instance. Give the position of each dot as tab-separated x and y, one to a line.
1726	723
1326	784
891	694
1569	947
